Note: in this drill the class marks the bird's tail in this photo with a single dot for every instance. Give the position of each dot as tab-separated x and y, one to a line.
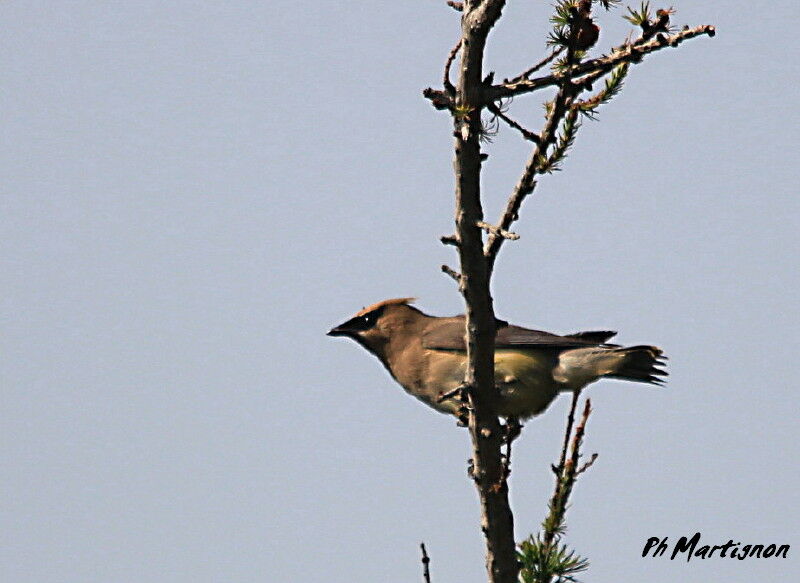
639	364
581	366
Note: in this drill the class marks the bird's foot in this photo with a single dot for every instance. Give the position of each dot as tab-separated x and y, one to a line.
463	416
460	391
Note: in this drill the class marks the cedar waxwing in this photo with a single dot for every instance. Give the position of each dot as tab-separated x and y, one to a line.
427	356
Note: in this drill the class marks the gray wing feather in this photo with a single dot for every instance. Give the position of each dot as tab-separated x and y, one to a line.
599	336
448	334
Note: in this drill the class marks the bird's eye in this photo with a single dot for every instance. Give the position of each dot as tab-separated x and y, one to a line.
365	321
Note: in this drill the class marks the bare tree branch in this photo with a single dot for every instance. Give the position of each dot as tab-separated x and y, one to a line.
426	561
526	183
565	478
576	32
573	80
626	53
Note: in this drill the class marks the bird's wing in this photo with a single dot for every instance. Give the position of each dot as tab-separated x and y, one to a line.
599	336
448	334
509	336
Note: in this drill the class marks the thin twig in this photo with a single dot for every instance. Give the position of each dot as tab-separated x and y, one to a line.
587	465
577	440
526	183
457	6
566	476
439	99
568	433
426	561
527	73
448	86
526	133
449	240
494	230
452	273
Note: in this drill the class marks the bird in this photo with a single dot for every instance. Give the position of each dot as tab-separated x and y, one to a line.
427	356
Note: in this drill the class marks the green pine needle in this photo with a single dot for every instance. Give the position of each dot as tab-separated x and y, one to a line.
562	16
613	85
562	64
559	36
565	141
490	127
639	17
541	562
561	19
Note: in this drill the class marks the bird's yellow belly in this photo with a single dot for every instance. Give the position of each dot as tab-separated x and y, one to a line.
523	377
525	380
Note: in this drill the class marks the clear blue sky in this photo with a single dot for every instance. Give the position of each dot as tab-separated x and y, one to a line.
193	193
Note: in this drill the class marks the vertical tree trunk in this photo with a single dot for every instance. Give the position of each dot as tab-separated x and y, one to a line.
497	522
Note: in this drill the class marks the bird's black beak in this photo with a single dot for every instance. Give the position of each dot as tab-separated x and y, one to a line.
339	331
350	329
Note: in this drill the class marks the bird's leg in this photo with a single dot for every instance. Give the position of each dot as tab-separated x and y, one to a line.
511	431
462	413
471	468
513	428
